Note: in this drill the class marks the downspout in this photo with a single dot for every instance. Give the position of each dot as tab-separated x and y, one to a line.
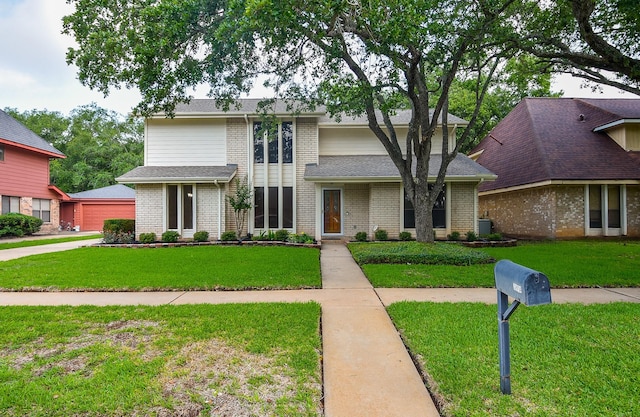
249	170
215	182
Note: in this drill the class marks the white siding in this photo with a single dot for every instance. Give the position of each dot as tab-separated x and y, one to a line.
186	142
361	141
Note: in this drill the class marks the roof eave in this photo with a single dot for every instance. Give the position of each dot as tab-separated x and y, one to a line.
615	124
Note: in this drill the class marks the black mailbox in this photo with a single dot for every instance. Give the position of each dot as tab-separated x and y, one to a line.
529	287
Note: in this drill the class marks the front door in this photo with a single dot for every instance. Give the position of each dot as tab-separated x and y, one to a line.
332	211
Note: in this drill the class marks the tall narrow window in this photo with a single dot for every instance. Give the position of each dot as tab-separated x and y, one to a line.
1	153
613	209
187	206
438	215
272	146
172	206
258	143
287	207
595	206
41	209
273	208
287	143
258	196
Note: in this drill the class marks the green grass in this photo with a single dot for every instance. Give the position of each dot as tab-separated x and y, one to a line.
566	360
40	242
572	264
178	268
251	359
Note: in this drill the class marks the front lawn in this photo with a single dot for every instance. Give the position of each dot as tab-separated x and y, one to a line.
40	242
566	360
250	359
176	268
583	263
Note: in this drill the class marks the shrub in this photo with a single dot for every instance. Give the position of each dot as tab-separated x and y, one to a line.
148	237
494	236
282	235
455	236
201	236
118	237
119	226
381	234
170	236
228	236
405	236
301	238
261	236
361	236
16	224
471	236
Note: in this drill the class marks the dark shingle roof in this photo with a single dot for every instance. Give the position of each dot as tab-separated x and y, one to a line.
368	168
546	139
162	174
112	191
13	131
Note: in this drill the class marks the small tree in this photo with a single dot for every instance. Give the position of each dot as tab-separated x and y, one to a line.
241	203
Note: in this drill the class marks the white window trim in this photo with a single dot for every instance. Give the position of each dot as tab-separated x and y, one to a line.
185	233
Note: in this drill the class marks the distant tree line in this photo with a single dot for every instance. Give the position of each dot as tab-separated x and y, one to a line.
100	144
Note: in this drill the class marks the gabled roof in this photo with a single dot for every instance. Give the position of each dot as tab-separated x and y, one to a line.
117	191
380	168
249	107
179	174
15	133
553	139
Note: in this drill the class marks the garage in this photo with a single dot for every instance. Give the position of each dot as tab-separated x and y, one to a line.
87	210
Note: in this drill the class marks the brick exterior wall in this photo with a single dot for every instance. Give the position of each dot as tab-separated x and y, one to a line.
207	210
237	153
306	153
633	210
149	209
384	208
569	209
356	210
462	206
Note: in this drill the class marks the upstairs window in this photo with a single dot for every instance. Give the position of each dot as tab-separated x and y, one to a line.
272	142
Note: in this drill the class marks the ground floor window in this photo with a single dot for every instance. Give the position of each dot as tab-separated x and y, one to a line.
180	206
275	205
10	204
439	213
41	209
604	199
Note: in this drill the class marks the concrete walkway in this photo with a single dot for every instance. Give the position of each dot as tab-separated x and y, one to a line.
366	368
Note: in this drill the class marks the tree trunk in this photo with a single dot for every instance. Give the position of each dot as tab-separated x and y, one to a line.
423	208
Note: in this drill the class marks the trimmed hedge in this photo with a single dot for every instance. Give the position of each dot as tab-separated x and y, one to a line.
119	230
16	224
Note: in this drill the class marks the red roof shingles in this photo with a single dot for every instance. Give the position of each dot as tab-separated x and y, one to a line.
553	139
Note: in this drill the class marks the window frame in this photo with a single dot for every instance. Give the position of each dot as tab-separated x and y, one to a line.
38	211
439	209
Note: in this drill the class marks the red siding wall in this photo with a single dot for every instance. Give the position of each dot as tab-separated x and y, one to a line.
25	174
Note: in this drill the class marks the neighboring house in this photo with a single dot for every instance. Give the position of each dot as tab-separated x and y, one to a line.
310	174
87	210
24	174
566	168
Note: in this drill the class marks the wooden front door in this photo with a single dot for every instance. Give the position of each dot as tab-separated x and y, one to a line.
332	211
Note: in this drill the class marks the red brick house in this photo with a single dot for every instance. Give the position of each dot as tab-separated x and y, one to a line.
566	168
24	174
87	210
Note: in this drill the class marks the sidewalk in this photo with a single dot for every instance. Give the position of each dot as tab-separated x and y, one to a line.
366	368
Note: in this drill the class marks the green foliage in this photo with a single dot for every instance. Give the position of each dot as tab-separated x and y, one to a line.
471	236
16	224
282	235
228	236
455	236
494	237
405	236
201	236
40	242
99	145
118	237
416	253
301	238
170	236
148	237
240	203
361	236
381	234
119	230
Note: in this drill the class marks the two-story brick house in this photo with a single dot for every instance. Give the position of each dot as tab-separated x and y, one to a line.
24	174
308	174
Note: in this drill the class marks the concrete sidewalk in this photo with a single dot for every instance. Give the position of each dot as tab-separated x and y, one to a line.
366	368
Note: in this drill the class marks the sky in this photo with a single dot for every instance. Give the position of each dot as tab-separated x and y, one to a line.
35	75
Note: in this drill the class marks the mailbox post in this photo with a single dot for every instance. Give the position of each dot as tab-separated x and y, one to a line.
525	286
